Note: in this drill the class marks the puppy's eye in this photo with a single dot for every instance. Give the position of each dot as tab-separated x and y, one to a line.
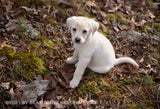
84	31
74	29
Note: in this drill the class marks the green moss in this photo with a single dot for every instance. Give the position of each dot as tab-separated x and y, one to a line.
135	80
95	86
25	30
98	87
85	13
7	51
150	2
51	21
107	34
148	82
121	19
54	53
91	86
112	18
155	54
22	21
36	3
56	5
146	106
157	26
26	64
115	18
46	42
138	15
23	25
149	26
146	27
48	2
134	106
33	45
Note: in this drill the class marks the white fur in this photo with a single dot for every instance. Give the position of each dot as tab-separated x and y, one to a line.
93	51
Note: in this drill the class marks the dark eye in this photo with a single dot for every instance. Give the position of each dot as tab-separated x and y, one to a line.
74	29
84	31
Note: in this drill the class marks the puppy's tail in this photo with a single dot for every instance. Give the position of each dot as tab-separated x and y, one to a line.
126	60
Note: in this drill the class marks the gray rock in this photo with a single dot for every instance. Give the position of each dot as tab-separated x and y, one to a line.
27	28
131	34
33	33
11	26
34	89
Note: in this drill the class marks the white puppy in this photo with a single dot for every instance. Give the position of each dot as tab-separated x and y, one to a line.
92	49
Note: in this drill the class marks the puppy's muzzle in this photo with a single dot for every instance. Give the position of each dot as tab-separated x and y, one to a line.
77	40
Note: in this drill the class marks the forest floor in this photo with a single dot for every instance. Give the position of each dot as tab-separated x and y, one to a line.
35	42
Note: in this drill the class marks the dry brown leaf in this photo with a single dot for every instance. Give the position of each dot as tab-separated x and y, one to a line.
128	7
31	10
21	84
110	3
116	29
27	9
86	103
103	14
104	28
141	23
2	58
91	4
52	82
9	6
122	27
11	91
5	85
57	105
156	5
49	28
141	60
115	9
151	15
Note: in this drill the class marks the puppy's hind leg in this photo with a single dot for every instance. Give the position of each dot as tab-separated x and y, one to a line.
101	69
73	59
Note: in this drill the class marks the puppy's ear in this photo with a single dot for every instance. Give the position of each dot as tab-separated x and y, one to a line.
70	22
94	25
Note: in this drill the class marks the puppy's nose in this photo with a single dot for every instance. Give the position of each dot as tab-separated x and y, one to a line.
77	39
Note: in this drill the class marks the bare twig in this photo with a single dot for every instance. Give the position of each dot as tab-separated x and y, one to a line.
129	90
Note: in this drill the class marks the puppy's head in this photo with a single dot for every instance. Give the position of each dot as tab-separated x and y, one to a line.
81	28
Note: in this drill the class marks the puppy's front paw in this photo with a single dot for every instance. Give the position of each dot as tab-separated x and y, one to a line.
74	83
70	60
